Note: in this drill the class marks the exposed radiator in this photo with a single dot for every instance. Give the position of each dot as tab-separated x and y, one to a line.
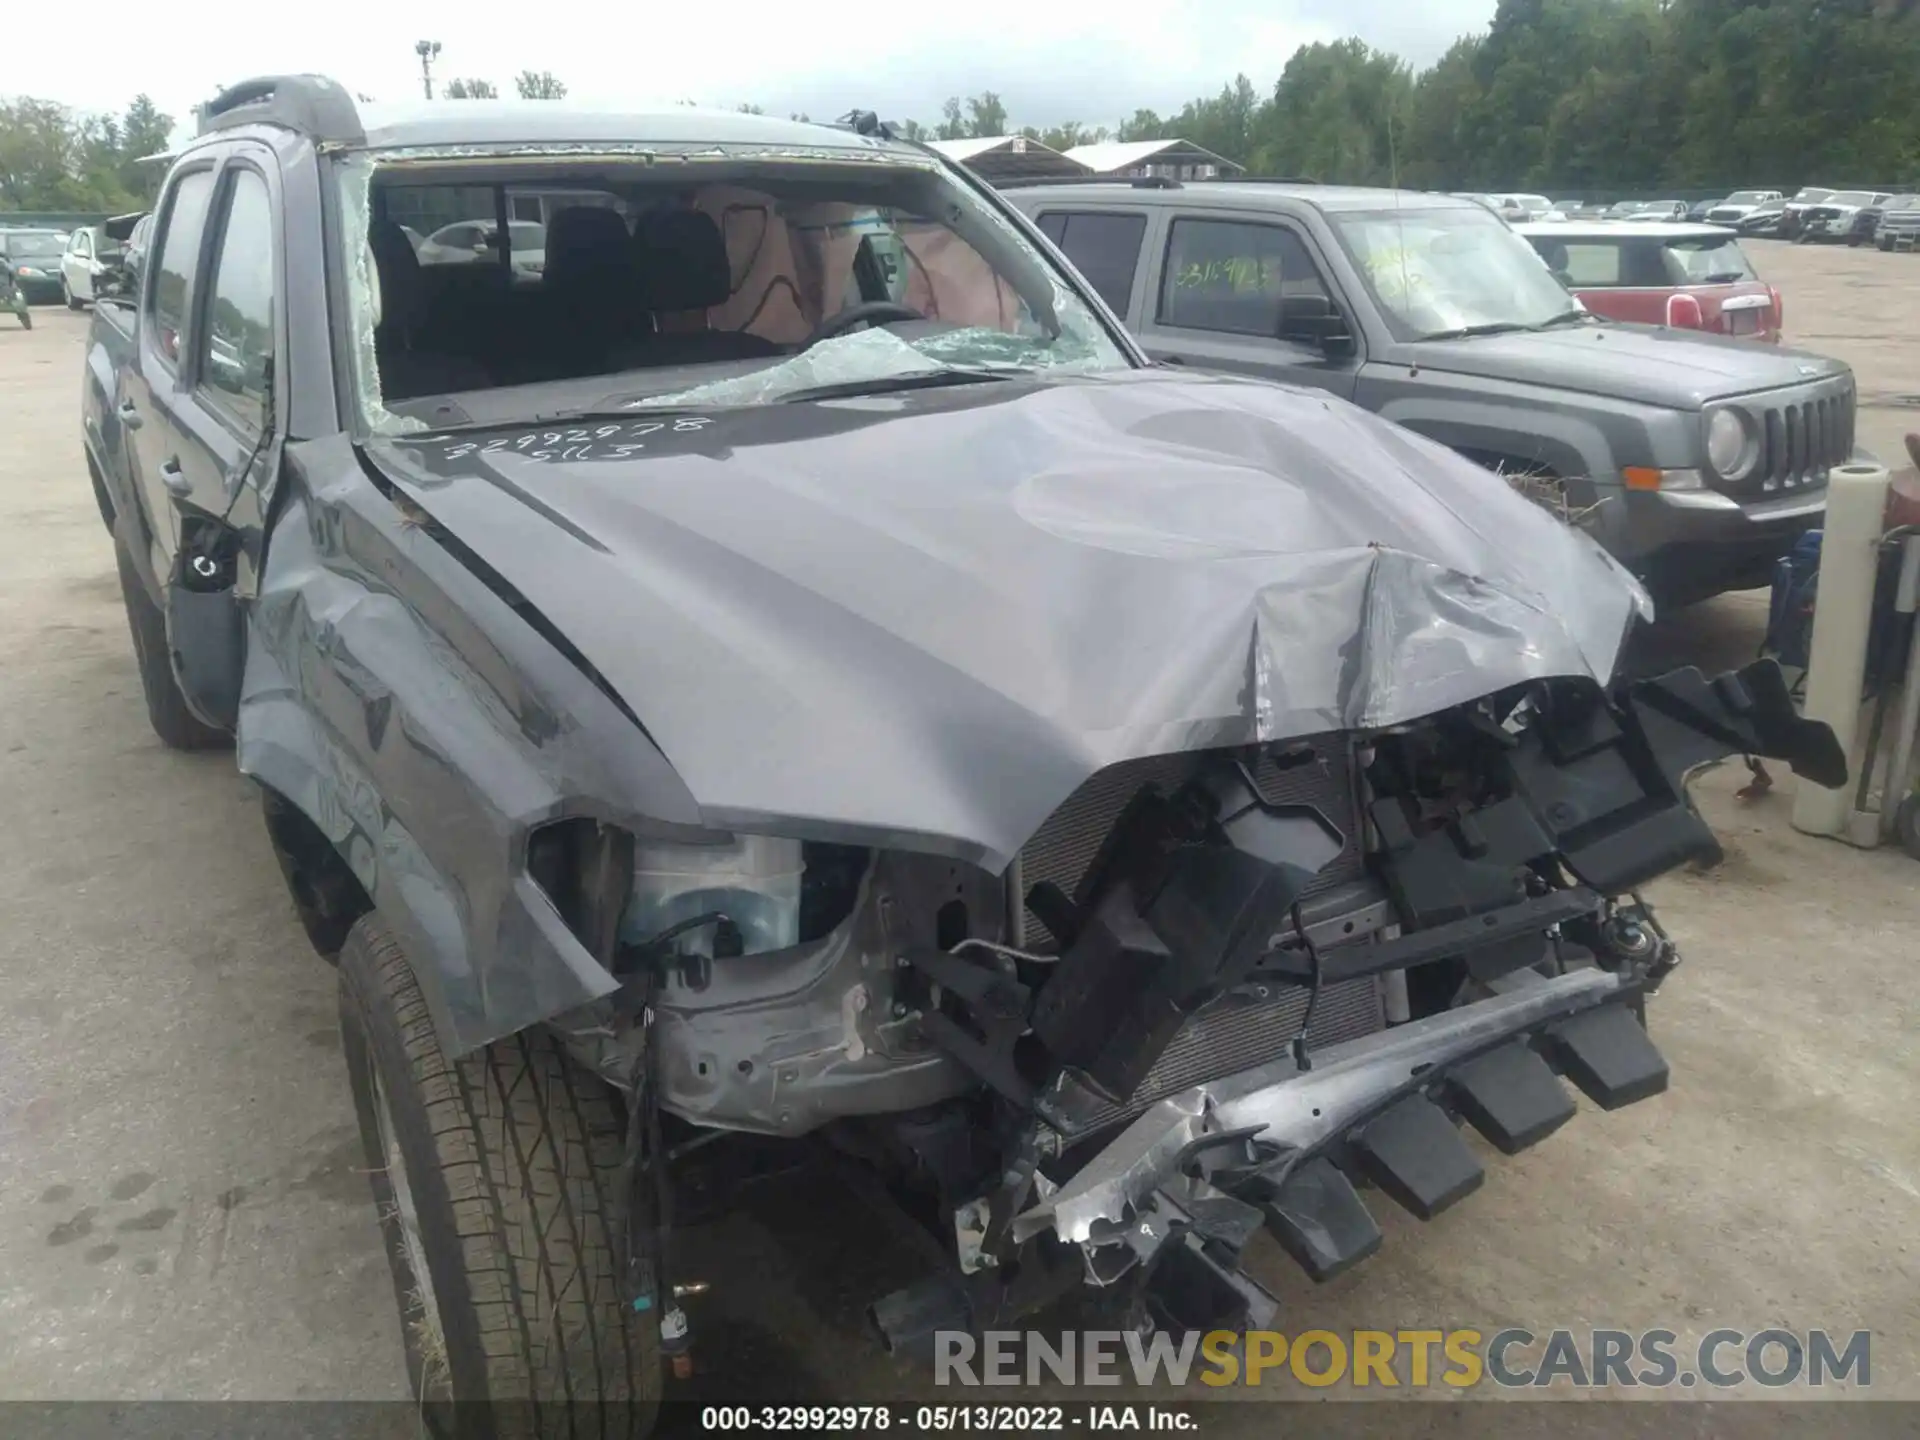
1065	846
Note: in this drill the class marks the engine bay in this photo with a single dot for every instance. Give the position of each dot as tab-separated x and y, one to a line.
1247	998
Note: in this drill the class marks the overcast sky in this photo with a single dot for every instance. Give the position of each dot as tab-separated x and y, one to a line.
1049	64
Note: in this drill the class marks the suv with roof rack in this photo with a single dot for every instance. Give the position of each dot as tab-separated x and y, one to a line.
1697	461
787	675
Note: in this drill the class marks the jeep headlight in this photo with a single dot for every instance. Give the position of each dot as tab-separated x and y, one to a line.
1731	447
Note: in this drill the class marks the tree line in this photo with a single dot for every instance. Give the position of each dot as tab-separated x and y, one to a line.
59	160
54	159
528	84
1574	96
1569	95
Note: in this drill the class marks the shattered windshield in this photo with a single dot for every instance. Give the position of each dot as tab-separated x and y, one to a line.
728	281
1439	273
876	359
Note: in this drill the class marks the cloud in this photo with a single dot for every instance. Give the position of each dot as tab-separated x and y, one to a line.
1092	65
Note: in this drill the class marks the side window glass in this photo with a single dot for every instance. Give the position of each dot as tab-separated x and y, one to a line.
179	254
1592	266
236	368
1105	249
1231	276
1053	225
1644	266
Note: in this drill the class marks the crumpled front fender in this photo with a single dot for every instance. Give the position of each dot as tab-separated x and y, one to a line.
427	730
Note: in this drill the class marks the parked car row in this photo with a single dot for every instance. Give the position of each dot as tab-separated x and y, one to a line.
1816	215
1812	214
49	265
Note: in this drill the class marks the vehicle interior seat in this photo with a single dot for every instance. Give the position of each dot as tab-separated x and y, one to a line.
681	263
410	366
591	292
1555	254
1644	267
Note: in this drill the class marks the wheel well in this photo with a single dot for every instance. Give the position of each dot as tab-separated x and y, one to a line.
1567	498
1510	464
327	896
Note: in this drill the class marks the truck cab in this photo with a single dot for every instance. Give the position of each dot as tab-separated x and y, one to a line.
196	352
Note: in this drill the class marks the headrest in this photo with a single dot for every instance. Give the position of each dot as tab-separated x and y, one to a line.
682	261
585	239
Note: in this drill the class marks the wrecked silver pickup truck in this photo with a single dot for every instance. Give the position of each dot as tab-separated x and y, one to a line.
785	666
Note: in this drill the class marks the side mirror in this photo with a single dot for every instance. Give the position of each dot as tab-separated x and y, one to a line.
1314	320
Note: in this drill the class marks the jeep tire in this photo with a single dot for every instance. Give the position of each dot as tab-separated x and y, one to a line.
497	1176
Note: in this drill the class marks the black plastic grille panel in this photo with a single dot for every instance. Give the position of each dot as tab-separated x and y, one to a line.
1065	846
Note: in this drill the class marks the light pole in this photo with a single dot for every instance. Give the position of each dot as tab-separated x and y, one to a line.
427	50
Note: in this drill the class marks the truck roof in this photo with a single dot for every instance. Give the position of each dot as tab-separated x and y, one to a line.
1247	194
438	123
322	110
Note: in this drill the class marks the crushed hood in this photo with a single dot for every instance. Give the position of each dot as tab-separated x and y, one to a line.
925	619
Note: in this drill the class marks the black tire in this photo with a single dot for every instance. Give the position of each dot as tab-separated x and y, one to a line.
67	295
26	316
176	725
522	1329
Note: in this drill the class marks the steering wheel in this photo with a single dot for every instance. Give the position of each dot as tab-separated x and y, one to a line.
867	312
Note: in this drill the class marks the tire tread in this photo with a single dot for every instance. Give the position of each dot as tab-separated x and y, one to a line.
530	1148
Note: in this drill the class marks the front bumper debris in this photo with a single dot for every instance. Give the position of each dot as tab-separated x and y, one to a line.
1280	1148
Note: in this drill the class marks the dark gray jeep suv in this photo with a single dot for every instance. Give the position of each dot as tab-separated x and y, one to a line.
1705	457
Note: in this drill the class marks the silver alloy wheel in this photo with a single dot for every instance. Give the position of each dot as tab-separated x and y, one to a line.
430	1334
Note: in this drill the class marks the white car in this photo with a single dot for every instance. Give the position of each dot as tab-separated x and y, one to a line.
1521	209
89	253
1739	205
466	241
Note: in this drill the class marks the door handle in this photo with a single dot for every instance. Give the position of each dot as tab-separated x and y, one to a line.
130	417
174	478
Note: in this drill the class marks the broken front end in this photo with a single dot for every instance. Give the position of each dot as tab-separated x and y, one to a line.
1227	991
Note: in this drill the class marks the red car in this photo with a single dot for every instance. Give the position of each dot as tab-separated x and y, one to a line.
1661	273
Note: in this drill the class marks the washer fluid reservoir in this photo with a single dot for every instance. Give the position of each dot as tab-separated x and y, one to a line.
754	880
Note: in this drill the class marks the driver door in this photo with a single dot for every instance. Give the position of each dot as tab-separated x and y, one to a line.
1228	295
222	433
199	406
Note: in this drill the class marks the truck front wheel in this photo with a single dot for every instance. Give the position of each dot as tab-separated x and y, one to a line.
496	1182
